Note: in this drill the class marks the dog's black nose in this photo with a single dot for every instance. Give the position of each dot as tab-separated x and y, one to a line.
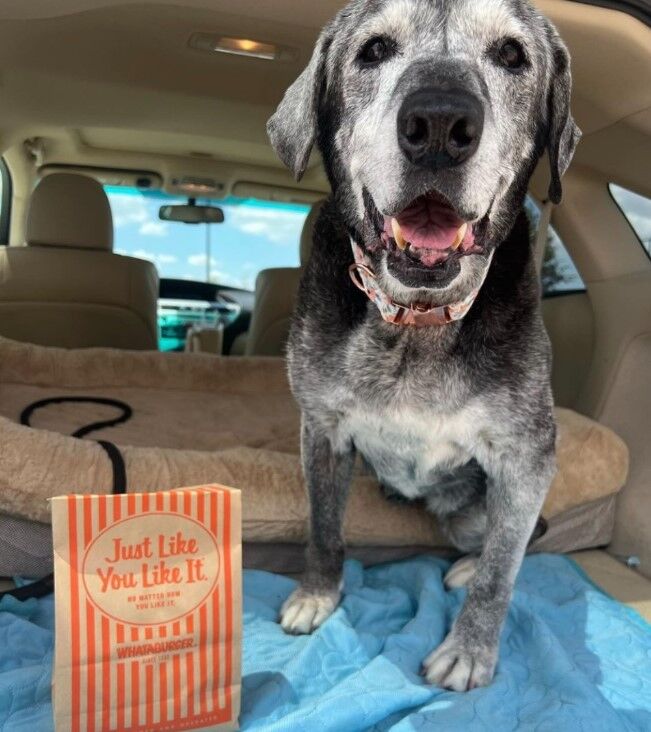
440	128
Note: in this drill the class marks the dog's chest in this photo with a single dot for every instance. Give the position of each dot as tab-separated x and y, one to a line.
409	449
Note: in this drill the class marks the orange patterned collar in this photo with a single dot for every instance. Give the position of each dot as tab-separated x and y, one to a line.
417	315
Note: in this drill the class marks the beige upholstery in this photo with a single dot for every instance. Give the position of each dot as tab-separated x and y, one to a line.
238	346
69	210
627	408
66	287
570	323
275	295
186	397
255	450
617	272
616	579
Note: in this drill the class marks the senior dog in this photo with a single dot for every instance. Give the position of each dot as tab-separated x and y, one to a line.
417	340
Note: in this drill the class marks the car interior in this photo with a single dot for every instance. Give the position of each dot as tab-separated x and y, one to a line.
111	110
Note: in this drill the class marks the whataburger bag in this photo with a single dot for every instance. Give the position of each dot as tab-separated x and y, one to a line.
148	611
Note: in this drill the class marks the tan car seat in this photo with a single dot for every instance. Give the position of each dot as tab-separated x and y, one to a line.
66	287
275	295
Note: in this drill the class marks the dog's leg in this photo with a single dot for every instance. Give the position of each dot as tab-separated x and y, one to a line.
458	499
463	570
517	484
328	470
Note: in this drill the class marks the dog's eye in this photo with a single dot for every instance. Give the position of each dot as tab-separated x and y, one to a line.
375	51
510	54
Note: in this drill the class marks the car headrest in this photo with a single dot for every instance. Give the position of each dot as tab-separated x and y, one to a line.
308	231
69	210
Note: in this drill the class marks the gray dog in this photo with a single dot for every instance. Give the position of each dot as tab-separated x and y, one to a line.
417	340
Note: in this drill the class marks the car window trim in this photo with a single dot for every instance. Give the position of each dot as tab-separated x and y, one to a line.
5	202
563	293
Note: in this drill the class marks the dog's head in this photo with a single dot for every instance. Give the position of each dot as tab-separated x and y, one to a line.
430	117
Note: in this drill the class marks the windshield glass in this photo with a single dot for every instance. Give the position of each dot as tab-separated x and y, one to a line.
255	235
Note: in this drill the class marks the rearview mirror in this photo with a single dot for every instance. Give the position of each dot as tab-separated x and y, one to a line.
191	214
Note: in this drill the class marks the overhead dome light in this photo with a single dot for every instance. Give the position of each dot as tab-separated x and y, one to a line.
215	43
198	186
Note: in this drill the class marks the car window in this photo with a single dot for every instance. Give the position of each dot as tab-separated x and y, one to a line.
5	202
559	275
637	210
255	235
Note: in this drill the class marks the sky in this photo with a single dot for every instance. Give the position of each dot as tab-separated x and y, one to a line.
638	212
255	235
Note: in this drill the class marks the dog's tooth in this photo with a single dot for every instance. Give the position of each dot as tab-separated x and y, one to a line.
461	233
397	235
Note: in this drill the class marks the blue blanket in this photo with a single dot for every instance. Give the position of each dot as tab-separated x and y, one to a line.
571	658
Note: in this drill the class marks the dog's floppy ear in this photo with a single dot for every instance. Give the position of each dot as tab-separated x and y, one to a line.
292	128
564	134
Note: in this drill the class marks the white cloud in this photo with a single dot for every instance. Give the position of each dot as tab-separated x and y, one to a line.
128	210
219	275
225	278
259	228
199	260
281	226
153	228
155	257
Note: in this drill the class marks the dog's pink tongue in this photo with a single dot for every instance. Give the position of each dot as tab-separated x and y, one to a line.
429	224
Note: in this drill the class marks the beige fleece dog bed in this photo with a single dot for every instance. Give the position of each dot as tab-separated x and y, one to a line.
204	419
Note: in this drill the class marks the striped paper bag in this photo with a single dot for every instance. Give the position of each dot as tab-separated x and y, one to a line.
148	611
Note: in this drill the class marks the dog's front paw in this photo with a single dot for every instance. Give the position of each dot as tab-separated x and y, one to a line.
461	572
305	610
460	665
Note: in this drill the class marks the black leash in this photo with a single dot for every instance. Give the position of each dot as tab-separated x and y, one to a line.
119	468
126	410
45	585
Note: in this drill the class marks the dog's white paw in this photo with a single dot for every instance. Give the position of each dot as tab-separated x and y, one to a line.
305	611
461	572
456	666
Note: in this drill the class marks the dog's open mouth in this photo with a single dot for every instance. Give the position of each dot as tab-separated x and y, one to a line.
429	231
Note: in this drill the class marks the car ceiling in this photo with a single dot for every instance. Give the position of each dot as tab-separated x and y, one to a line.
93	76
